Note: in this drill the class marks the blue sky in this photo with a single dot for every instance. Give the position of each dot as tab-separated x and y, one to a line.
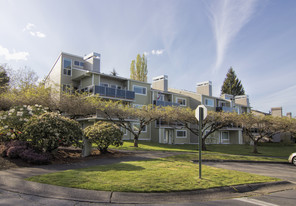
191	41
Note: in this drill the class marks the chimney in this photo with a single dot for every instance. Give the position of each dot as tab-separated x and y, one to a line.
92	62
289	114
160	83
204	88
242	100
277	111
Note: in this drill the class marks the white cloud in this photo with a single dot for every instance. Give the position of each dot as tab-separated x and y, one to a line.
29	27
13	55
227	19
37	34
157	52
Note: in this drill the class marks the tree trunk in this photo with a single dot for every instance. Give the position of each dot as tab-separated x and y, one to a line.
135	141
255	150
204	148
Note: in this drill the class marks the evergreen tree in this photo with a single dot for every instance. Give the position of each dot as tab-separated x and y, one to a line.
232	85
139	68
4	80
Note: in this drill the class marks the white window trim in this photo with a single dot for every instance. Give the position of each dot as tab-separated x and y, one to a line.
177	98
182	136
138	93
143	131
209	105
64	58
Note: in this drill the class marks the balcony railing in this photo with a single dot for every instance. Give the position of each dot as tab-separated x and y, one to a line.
225	109
165	103
115	93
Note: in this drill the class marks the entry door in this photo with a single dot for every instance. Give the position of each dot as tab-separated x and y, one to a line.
169	136
225	138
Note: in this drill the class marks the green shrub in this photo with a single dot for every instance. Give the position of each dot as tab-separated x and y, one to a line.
50	130
104	134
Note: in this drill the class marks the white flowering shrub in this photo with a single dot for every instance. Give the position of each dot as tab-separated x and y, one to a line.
12	121
104	134
50	130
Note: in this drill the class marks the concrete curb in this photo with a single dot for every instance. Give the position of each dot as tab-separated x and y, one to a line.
82	195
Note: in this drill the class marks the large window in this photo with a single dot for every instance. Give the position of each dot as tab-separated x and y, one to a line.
209	102
67	66
140	90
136	127
181	101
181	133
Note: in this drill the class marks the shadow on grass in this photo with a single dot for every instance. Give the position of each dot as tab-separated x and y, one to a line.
114	167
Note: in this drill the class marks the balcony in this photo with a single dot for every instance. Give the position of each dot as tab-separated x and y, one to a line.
114	93
164	103
225	109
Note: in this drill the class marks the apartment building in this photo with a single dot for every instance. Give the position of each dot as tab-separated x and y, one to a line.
72	72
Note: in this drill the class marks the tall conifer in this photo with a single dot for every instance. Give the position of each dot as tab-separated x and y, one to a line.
232	85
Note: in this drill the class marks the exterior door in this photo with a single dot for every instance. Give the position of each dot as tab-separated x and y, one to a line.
168	137
225	137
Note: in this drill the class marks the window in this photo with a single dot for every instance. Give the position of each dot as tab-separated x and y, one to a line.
136	127
181	101
66	88
104	84
209	102
140	90
78	63
67	66
181	133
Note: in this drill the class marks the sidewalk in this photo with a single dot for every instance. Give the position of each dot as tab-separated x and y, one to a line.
13	180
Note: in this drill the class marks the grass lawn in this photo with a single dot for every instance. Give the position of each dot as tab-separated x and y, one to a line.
151	146
161	175
267	149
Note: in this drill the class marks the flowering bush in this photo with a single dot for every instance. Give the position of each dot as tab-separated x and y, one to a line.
12	121
104	134
50	130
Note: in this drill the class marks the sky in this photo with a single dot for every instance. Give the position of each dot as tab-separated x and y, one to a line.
191	41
